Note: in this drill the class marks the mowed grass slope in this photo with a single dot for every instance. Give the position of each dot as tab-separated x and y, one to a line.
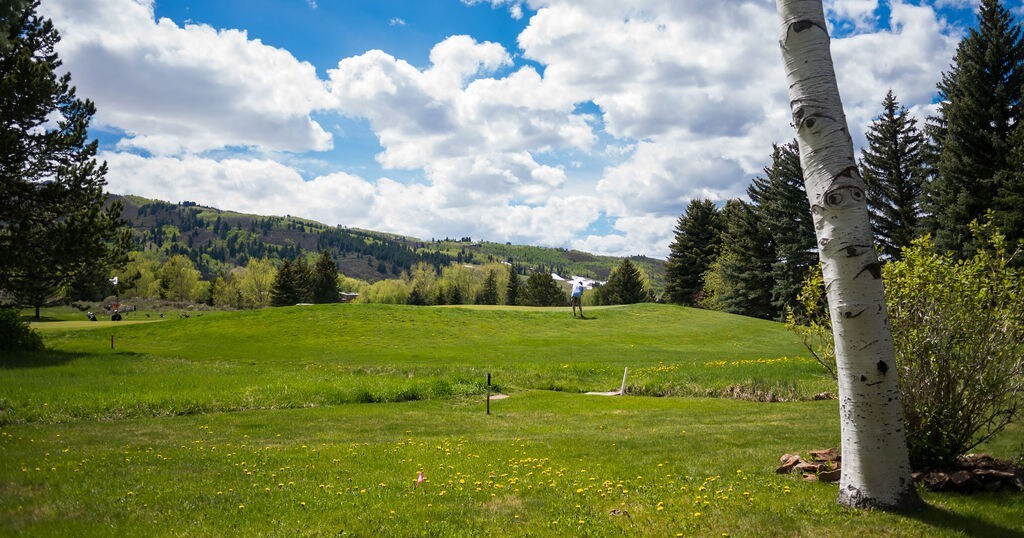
325	355
134	441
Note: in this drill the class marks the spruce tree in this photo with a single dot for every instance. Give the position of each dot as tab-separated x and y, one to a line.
10	15
489	291
1009	210
55	225
785	214
285	291
698	234
892	168
303	276
745	263
626	285
325	280
514	287
542	290
973	133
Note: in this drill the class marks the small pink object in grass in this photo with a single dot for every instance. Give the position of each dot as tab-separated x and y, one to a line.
419	479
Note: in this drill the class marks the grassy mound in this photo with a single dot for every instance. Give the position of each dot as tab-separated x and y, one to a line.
326	355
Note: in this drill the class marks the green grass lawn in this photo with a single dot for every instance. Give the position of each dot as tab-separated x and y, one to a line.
302	357
240	424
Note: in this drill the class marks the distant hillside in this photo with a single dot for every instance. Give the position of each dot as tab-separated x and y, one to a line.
217	240
554	260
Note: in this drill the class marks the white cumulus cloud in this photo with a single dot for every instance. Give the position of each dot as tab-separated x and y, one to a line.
595	132
177	89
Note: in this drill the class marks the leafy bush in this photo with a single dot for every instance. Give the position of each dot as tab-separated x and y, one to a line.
812	323
959	336
15	333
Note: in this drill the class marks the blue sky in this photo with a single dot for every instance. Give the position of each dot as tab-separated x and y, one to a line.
584	124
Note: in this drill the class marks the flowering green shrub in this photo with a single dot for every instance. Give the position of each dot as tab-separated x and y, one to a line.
958	330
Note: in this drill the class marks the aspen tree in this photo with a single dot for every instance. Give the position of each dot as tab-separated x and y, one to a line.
876	467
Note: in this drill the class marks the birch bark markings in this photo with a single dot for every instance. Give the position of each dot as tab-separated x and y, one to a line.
876	467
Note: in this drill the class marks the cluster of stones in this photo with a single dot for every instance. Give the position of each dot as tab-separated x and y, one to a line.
974	472
823	465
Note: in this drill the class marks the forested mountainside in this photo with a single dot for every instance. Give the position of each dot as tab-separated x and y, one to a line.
219	240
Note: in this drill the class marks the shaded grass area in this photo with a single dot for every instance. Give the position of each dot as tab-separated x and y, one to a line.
543	464
327	355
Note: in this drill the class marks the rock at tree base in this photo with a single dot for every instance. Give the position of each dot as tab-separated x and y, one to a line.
788	462
974	472
824	455
824	465
935	481
831	475
807	467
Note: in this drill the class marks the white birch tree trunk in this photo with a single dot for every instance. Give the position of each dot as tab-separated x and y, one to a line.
875	464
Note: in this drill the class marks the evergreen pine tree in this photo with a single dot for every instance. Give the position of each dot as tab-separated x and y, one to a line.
303	275
514	287
745	263
489	291
1009	210
10	15
785	213
325	280
892	168
453	294
285	290
542	290
626	285
982	93
54	222
416	297
698	234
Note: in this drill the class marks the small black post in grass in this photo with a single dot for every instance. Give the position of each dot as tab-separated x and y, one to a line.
111	341
488	393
